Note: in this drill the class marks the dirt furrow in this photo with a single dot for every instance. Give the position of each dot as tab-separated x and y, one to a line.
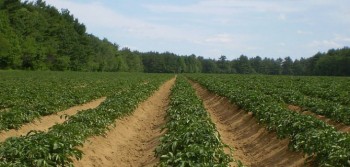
134	138
253	144
337	125
44	123
4	109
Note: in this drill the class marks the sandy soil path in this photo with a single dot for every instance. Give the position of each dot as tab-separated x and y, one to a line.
133	141
337	125
253	144
44	123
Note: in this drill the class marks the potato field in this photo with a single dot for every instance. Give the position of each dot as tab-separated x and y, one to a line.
137	119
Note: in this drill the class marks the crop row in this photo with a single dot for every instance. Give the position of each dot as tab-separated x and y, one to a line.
287	90
332	110
25	96
58	146
335	89
306	133
324	101
191	138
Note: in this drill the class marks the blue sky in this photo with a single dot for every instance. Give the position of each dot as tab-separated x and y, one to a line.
211	28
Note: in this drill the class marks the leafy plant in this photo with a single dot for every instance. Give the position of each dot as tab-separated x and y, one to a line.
306	133
58	146
191	138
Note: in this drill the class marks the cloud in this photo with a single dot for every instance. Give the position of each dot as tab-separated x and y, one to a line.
220	38
217	27
106	18
301	32
324	44
223	7
342	38
282	17
282	44
338	41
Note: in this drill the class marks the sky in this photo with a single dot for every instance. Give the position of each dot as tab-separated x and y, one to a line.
211	28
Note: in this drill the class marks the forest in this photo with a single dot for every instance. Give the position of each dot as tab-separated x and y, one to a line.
37	36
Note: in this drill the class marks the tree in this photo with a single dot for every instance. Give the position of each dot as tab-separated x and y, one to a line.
256	64
133	60
209	66
171	62
335	64
1	4
243	65
181	65
311	63
223	65
4	53
298	68
287	66
29	52
37	36
11	5
193	64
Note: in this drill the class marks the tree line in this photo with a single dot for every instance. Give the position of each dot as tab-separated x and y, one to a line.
335	62
37	36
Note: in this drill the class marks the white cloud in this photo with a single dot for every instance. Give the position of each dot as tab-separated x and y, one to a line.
282	44
338	41
301	32
98	16
105	19
224	7
324	44
217	27
220	38
282	17
342	38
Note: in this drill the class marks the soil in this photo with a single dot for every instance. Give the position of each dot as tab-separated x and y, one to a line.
44	123
337	125
134	138
253	145
4	109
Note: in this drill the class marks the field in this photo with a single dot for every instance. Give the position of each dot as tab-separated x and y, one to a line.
137	119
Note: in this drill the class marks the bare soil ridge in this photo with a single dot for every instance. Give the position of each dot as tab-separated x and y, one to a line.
133	141
337	125
253	145
4	109
44	123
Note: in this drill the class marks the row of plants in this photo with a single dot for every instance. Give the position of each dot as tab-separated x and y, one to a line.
287	90
191	139
58	146
25	96
324	96
324	145
335	89
332	110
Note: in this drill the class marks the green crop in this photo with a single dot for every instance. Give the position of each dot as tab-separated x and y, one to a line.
191	138
306	133
25	96
58	146
297	91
